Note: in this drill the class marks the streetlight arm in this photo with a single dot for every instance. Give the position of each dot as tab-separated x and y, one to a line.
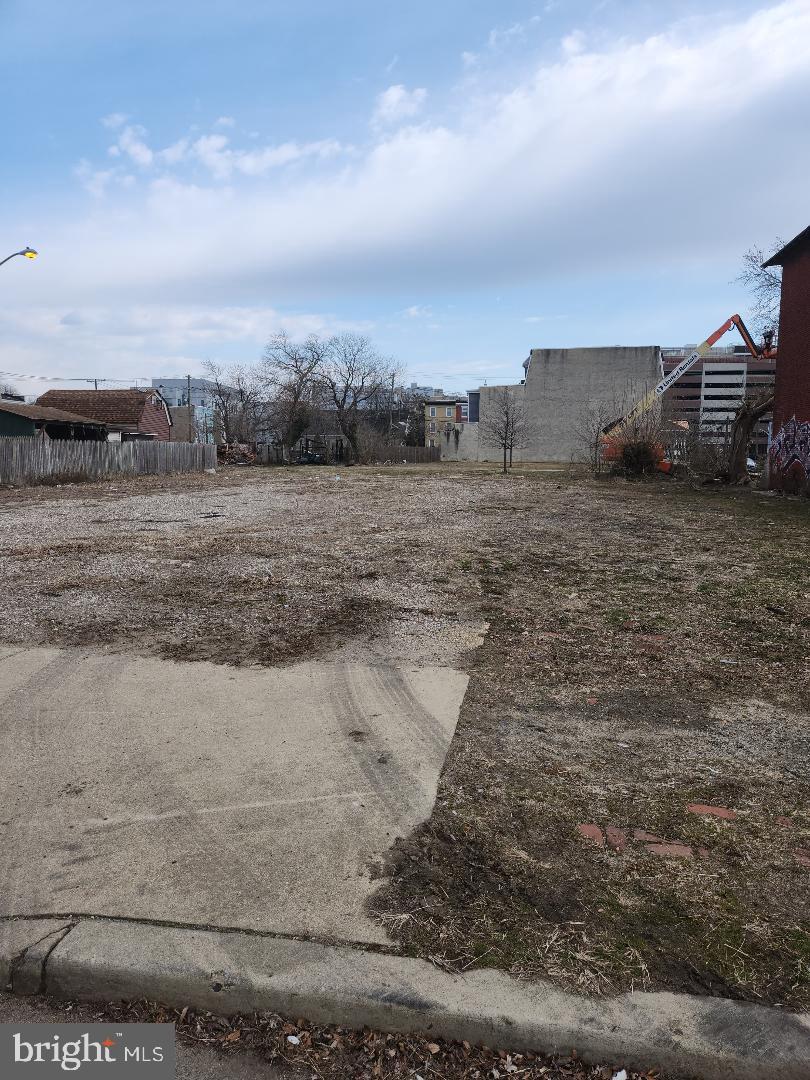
28	252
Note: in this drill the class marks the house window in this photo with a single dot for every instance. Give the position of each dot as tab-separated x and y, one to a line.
432	410
431	442
433	426
448	412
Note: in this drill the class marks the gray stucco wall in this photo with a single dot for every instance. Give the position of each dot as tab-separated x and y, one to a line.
562	384
463	447
560	388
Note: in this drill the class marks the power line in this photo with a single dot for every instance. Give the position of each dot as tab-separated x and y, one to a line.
58	378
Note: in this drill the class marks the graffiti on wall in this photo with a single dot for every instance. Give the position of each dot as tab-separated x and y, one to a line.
792	447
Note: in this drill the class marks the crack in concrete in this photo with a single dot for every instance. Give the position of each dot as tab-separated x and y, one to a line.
76	917
19	963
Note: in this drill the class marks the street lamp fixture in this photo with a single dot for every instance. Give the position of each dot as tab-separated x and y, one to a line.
27	252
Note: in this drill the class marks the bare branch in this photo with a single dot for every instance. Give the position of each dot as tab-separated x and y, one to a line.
765	285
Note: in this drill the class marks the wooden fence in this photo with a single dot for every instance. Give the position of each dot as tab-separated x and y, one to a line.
412	455
415	455
31	460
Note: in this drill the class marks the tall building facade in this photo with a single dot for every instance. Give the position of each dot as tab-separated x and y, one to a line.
710	393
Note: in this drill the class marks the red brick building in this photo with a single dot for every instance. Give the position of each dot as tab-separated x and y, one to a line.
790	449
128	414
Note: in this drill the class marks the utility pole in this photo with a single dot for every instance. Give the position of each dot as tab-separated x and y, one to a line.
391	405
190	410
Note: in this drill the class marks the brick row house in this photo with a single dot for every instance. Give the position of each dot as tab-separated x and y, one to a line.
789	457
442	414
127	414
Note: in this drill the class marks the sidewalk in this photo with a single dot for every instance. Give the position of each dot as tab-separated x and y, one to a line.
197	793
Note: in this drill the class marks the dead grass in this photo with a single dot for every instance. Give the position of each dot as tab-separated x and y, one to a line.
648	649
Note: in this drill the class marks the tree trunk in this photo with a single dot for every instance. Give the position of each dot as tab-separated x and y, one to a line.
504	459
349	429
748	415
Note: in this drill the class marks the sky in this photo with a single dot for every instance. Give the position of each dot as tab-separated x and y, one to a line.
461	180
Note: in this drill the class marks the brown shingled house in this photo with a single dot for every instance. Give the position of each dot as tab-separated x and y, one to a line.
18	419
127	414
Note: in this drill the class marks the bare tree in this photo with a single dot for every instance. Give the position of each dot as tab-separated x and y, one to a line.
238	398
506	423
616	434
750	412
415	420
289	371
589	433
8	390
353	376
765	285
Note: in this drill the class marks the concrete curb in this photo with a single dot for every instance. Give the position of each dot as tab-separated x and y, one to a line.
25	945
229	972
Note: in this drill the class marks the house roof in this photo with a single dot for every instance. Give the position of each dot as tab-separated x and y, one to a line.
39	412
119	407
793	248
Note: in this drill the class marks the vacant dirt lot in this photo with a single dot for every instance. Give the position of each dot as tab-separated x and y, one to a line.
647	652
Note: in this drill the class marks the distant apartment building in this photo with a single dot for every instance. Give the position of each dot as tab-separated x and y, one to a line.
709	394
176	395
443	414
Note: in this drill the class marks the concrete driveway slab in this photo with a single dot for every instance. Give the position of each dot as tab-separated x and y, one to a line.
198	793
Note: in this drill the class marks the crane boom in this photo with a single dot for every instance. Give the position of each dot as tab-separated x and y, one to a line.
688	362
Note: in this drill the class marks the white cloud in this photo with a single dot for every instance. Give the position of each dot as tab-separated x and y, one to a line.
606	161
94	181
224	122
114	120
419	311
145	340
469	59
176	152
216	154
397	104
392	63
130	142
498	38
574	43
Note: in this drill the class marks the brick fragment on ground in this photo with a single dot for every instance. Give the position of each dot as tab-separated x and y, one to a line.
785	822
677	851
616	838
647	838
802	855
712	811
592	833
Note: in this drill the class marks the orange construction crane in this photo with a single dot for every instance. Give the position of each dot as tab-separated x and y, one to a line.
612	434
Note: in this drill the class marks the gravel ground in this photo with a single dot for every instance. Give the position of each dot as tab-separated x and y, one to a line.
246	567
647	651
